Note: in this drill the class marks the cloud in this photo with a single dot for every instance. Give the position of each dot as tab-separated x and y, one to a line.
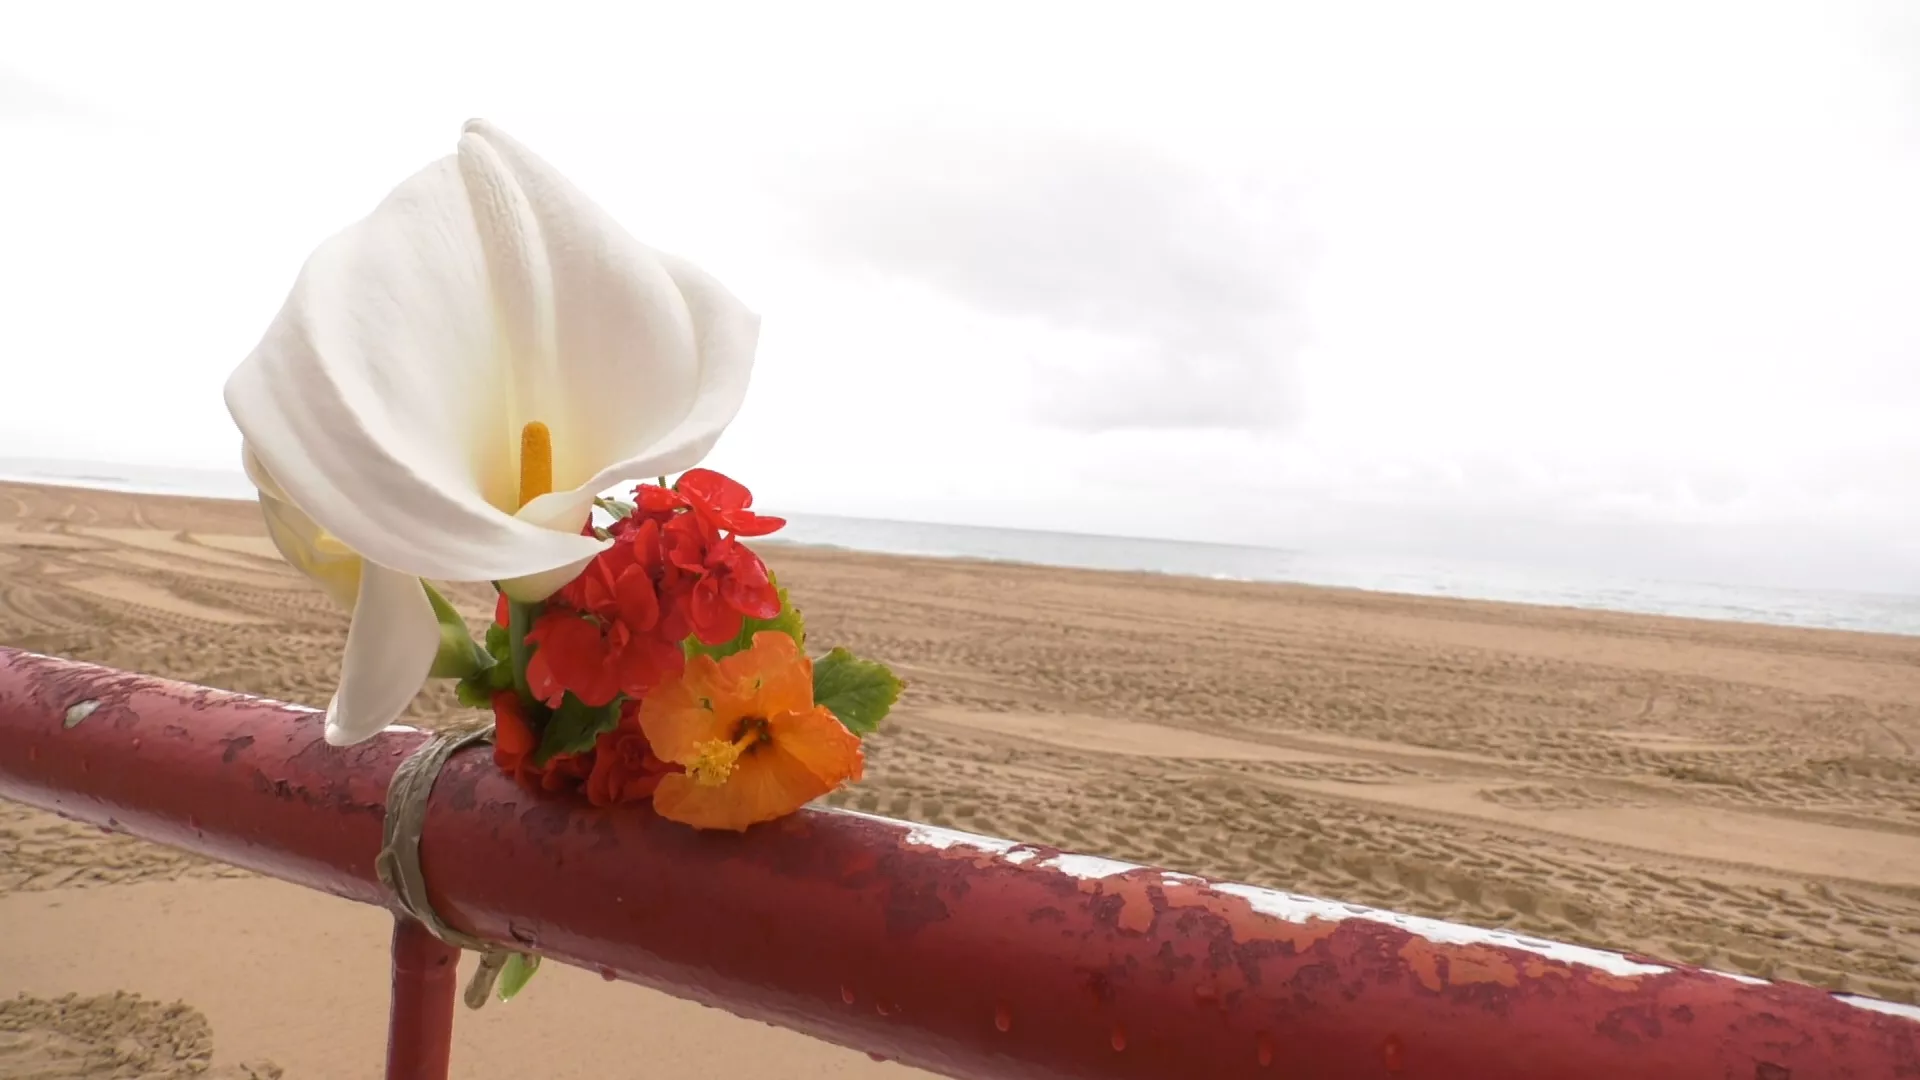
1162	298
22	98
1906	68
1889	31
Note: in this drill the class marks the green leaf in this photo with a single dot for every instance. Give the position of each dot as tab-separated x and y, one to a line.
473	692
458	657
574	727
514	976
859	692
476	690
787	622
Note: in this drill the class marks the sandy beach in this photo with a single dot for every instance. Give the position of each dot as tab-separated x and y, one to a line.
1739	796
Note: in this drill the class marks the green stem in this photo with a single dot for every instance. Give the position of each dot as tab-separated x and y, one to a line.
614	507
519	621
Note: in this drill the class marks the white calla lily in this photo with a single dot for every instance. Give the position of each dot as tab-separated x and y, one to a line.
485	303
302	542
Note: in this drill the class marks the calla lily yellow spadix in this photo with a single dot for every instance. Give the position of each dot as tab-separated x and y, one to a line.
452	381
536	461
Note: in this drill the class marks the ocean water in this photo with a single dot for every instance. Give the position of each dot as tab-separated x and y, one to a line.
1830	609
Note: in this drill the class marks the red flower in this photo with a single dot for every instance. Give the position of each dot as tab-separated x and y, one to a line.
602	635
670	555
723	503
734	587
718	503
513	738
709	583
514	743
684	542
675	570
564	772
596	659
500	611
654	501
616	586
624	766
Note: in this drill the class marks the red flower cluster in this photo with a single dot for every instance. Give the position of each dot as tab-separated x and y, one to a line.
514	743
708	575
602	635
621	767
625	768
675	570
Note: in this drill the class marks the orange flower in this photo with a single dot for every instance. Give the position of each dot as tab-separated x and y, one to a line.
754	744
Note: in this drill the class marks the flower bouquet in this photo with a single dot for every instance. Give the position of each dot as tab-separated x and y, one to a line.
452	384
673	670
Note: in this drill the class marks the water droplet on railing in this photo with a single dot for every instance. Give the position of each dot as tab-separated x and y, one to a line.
33	753
1206	993
193	822
1119	1039
1392	1056
846	994
886	1008
609	974
1003	1017
876	1057
136	744
1263	1049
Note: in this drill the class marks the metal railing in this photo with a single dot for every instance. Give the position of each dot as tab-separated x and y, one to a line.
964	955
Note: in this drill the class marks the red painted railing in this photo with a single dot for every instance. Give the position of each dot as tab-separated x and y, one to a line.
965	955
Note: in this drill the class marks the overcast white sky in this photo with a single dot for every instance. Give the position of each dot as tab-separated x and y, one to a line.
1622	287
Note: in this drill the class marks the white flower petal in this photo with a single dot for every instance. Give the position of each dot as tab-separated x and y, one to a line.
651	356
257	474
386	399
390	649
534	588
298	539
378	398
305	546
727	334
567	511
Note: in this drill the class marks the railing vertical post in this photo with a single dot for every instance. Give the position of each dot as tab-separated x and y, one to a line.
420	1023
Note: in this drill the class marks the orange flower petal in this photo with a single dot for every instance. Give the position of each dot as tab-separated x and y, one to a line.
703	678
676	722
820	743
743	666
785	674
767	784
724	684
771	657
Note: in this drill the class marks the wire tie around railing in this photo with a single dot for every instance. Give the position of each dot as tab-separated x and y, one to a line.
398	864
